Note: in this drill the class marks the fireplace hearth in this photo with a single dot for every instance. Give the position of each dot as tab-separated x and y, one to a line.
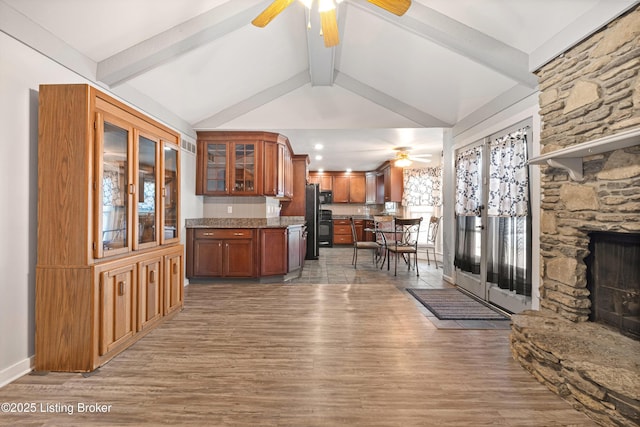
613	281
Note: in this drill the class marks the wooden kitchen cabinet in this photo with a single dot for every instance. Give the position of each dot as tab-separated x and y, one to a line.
108	212
296	206
221	252
342	232
371	188
244	164
393	183
340	189
295	240
357	188
273	251
324	180
347	187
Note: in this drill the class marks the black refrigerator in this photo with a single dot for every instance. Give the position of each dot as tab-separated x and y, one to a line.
312	218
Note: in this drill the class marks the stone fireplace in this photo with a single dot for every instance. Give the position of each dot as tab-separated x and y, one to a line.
613	281
590	184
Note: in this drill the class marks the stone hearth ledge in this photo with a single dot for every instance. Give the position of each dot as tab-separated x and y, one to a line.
276	222
585	363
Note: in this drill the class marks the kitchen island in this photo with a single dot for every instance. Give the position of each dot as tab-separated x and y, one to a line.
268	249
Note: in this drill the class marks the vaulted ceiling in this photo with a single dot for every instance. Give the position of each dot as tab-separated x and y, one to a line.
391	81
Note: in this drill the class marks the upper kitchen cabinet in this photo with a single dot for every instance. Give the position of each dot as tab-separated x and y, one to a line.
243	164
392	182
349	187
371	187
324	181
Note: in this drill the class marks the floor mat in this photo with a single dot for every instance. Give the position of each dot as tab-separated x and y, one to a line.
451	304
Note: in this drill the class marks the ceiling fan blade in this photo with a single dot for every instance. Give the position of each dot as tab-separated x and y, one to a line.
271	12
397	7
329	28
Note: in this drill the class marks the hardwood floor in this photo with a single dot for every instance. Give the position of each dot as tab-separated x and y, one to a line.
337	347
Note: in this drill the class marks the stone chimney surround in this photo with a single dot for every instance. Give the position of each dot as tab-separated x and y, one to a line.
590	182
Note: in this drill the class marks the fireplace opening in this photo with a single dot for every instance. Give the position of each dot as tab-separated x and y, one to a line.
613	280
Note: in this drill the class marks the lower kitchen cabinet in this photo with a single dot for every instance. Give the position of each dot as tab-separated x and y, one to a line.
245	252
296	243
221	252
273	251
342	232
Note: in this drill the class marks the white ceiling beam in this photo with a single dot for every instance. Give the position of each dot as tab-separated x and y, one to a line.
23	29
255	101
321	58
581	28
462	39
388	102
178	40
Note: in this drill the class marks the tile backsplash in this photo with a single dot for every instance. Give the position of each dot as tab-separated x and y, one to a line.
241	207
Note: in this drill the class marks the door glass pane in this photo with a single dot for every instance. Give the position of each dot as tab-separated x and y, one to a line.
147	190
245	167
216	167
114	188
171	193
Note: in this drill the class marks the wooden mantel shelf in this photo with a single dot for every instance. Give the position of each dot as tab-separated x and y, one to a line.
570	158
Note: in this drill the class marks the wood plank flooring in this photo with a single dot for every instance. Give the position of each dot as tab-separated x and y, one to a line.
361	353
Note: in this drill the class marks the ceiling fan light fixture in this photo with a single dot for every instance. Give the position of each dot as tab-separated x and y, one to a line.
402	160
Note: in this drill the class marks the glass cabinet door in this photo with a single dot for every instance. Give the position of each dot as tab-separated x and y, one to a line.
216	168
147	191
113	185
244	168
170	192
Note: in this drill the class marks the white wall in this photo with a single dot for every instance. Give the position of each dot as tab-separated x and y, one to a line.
22	70
527	108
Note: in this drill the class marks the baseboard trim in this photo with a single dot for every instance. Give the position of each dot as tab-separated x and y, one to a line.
17	370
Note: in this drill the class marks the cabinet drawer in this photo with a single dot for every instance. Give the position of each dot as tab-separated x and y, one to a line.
223	233
342	239
342	229
341	222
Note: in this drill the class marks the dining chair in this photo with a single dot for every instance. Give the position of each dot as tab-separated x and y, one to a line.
432	235
357	245
405	242
382	224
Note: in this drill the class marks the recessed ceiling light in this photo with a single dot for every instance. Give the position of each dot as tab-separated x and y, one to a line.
318	147
320	170
318	157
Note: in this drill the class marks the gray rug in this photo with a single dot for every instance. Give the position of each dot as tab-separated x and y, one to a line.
451	304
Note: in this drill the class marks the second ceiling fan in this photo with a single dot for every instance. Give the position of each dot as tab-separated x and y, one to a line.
327	9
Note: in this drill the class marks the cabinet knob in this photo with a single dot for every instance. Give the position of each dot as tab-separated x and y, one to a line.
238	234
152	276
207	234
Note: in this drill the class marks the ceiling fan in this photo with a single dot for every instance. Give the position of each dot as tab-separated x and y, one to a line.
403	159
327	9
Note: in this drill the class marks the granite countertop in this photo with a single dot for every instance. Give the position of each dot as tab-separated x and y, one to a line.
277	222
352	216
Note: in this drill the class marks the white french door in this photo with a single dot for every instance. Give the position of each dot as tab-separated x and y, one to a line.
493	225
